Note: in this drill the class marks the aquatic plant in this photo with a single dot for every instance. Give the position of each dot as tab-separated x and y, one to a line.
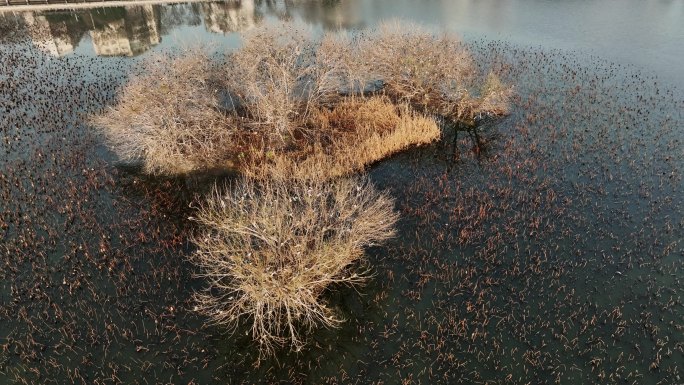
269	249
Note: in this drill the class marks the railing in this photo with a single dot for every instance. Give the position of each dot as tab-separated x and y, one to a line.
46	2
82	3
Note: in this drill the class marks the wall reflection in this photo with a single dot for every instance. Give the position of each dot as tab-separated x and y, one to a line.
130	31
229	17
122	31
117	31
57	37
329	14
130	35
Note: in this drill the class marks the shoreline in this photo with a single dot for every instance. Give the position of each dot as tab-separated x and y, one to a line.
99	4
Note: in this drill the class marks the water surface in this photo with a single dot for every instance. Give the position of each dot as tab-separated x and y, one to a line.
647	34
553	256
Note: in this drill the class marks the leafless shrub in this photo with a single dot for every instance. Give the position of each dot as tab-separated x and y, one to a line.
339	55
277	78
270	248
433	72
169	118
494	98
282	81
416	64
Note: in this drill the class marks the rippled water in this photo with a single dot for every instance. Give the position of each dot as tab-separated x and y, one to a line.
554	256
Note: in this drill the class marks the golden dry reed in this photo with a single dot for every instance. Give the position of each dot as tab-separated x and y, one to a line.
359	132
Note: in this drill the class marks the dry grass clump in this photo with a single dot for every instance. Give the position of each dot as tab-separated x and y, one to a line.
358	132
270	248
352	113
169	118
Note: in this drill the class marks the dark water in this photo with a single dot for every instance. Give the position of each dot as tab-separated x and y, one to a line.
553	256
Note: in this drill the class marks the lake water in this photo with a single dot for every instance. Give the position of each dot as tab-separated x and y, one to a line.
647	34
554	256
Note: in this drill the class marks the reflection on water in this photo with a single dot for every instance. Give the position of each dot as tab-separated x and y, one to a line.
130	35
229	17
113	31
130	31
643	33
556	257
58	38
123	31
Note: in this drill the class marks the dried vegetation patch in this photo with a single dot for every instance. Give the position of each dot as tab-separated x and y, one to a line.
285	97
358	133
295	116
